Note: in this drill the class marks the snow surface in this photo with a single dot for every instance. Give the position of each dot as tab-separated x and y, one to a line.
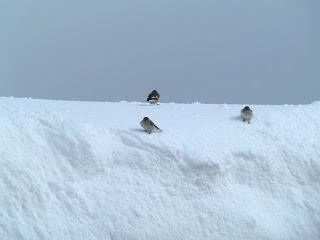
79	170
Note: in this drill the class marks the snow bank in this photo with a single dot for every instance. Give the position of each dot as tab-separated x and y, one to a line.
72	170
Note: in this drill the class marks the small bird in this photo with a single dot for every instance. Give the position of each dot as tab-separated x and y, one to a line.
148	125
153	97
246	114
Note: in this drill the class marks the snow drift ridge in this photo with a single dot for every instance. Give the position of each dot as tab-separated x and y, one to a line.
72	170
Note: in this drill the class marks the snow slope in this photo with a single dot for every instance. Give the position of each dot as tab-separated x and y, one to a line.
72	170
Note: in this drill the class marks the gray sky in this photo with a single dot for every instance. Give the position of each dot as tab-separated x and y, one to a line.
226	51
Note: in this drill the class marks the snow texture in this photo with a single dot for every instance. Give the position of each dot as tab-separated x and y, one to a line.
80	170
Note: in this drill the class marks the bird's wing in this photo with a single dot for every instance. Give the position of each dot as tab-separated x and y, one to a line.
152	97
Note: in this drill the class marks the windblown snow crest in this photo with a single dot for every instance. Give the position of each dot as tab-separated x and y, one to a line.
72	170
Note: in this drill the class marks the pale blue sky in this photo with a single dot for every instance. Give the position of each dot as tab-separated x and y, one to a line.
227	51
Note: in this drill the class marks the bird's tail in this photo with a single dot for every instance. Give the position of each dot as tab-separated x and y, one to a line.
157	127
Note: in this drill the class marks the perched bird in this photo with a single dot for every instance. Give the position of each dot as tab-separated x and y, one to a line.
246	114
153	97
148	125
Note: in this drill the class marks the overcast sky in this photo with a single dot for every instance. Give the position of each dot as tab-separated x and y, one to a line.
226	51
